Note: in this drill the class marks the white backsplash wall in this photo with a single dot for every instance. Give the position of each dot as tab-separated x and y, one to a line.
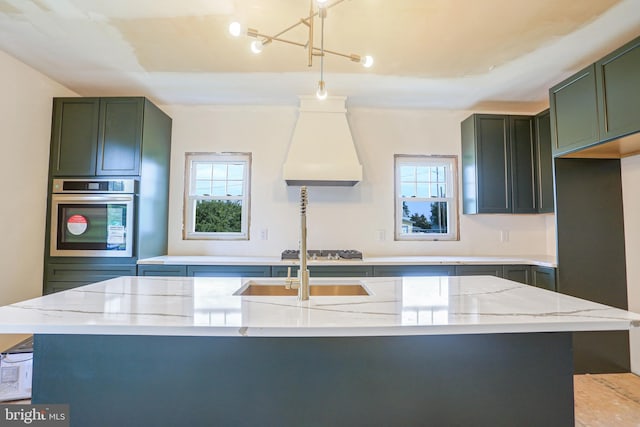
359	217
25	129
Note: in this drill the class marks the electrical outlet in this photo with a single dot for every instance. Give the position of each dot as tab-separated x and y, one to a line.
380	235
264	234
504	235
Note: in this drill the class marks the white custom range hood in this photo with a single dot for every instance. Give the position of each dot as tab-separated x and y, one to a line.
322	151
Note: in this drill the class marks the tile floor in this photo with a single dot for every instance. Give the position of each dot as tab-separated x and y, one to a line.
603	400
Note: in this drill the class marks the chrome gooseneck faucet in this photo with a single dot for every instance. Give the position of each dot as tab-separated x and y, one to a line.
302	282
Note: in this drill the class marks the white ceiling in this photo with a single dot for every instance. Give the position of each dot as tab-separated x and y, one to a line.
460	54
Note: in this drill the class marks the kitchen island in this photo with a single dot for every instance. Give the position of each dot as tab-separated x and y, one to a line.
474	350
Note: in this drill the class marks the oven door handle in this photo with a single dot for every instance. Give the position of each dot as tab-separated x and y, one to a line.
61	198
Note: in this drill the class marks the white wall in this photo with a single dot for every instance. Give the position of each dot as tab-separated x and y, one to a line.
25	129
631	203
337	217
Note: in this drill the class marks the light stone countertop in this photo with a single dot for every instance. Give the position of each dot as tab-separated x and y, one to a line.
396	306
540	260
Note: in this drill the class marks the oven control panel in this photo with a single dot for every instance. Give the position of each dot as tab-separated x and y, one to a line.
126	186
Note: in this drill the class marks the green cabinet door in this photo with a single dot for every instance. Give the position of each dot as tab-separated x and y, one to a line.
120	137
618	79
494	166
486	164
523	180
73	136
479	270
544	163
574	112
517	273
543	277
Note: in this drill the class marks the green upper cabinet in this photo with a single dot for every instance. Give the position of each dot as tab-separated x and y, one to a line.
120	136
74	136
618	83
96	136
574	112
486	164
498	170
544	163
523	179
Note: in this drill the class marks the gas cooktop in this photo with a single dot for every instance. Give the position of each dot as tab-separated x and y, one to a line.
323	254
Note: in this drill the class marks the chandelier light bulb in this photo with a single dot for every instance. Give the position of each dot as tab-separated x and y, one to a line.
322	3
256	46
235	29
367	61
321	93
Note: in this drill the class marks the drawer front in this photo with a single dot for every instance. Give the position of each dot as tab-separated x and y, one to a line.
479	270
87	273
413	270
228	271
326	271
162	270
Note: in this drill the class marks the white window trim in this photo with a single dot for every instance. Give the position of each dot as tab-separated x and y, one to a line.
453	219
189	212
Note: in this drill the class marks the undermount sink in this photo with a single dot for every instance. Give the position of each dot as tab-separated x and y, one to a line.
253	288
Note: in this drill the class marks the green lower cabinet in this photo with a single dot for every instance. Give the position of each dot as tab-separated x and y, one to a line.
228	271
412	270
162	270
53	287
517	273
66	276
543	277
479	270
326	271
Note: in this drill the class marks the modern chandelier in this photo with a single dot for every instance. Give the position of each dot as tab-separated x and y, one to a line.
236	29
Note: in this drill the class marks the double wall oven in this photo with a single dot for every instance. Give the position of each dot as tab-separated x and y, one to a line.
92	217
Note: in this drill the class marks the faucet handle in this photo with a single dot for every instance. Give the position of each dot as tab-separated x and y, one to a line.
290	282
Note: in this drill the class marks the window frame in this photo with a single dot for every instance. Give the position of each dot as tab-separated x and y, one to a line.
453	216
190	200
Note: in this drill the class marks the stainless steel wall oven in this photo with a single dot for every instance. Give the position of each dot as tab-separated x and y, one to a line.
92	217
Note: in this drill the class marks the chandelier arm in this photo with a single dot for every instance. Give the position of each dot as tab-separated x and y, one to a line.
316	50
351	56
268	39
291	27
278	39
310	36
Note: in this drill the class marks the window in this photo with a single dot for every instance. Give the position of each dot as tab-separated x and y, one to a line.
217	196
425	198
